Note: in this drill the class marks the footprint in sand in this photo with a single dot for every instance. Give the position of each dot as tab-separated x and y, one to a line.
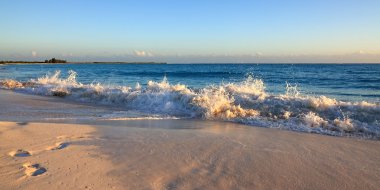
33	169
19	153
58	146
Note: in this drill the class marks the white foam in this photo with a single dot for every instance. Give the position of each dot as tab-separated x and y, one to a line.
245	102
313	120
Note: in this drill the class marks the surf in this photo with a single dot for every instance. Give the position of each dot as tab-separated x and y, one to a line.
245	102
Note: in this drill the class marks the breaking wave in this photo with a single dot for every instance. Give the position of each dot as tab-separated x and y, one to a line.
245	102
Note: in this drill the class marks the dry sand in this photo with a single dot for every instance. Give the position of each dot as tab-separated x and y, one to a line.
171	154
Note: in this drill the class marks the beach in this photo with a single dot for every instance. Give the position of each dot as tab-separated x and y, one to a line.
61	152
190	95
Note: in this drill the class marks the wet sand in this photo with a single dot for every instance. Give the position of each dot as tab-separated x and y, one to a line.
40	149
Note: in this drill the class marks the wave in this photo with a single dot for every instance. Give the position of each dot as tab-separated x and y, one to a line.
245	102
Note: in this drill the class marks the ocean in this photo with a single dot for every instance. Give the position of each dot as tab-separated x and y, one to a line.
331	99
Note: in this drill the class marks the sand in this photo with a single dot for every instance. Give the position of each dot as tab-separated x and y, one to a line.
59	153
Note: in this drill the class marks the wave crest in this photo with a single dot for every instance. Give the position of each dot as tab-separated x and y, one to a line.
244	102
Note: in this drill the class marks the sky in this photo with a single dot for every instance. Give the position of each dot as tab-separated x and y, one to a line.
196	31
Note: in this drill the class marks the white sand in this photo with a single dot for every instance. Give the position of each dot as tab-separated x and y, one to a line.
174	155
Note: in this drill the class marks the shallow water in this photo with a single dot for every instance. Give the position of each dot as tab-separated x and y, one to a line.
329	99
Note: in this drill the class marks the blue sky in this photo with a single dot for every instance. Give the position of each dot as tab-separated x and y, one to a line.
191	31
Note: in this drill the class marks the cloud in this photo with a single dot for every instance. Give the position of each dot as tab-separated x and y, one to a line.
362	52
143	53
258	54
34	54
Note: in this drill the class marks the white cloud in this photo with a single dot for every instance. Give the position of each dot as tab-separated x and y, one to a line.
259	54
34	54
362	52
143	53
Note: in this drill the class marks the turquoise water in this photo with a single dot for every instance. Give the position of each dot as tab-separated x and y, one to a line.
334	99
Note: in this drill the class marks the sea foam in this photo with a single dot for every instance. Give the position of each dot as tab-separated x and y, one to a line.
243	102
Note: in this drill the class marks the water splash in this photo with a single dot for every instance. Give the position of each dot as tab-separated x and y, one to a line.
291	90
243	102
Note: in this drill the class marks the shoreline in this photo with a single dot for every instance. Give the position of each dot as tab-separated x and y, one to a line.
168	154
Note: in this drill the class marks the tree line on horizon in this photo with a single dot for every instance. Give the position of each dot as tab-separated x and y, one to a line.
52	60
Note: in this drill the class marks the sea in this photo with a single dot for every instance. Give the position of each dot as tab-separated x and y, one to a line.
330	99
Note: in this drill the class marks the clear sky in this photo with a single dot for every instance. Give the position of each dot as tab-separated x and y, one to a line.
191	31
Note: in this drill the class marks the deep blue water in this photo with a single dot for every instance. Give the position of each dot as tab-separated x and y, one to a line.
348	82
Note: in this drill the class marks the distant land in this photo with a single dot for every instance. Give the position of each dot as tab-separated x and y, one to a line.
54	60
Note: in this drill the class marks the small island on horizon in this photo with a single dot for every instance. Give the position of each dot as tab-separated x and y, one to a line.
54	60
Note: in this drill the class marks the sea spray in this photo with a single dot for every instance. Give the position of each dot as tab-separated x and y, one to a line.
243	102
